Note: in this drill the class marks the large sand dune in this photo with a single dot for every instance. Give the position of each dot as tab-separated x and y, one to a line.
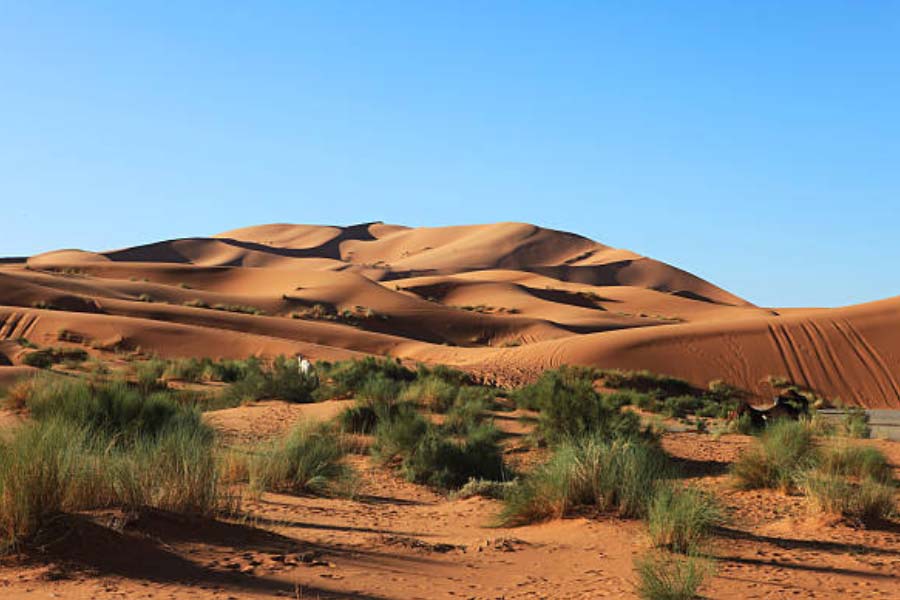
506	300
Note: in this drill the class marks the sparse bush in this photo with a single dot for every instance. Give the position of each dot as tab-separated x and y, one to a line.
149	373
431	392
196	303
855	423
784	450
145	298
111	410
42	473
47	357
18	394
342	379
426	454
866	500
861	462
468	409
618	476
186	369
645	381
442	462
229	371
309	459
485	488
577	410
256	381
663	576
681	519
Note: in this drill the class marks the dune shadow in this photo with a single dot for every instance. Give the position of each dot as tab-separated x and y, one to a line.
142	551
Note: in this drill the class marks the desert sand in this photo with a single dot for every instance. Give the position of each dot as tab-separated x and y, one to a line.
505	301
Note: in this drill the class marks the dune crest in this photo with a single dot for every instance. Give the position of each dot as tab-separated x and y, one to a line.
503	299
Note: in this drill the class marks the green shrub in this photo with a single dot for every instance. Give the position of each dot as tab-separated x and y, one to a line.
784	450
309	459
681	519
229	371
47	357
663	576
468	410
112	410
645	381
380	389
42	473
543	392
575	409
866	500
342	379
282	379
861	462
398	436
187	369
454	377
149	373
432	393
175	471
618	476
440	461
427	454
485	488
855	423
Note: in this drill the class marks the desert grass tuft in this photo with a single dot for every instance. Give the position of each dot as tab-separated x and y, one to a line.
309	459
664	576
620	477
681	519
782	453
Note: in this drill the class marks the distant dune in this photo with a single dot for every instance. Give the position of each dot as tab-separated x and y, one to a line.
505	300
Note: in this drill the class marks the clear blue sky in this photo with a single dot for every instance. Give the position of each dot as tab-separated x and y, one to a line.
755	144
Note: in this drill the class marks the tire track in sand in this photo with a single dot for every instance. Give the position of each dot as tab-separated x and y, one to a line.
875	364
790	356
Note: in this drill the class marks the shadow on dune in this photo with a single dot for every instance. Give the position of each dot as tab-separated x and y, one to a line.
82	545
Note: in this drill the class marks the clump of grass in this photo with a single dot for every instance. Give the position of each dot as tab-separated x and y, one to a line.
485	488
645	381
196	303
855	423
112	410
468	410
42	473
47	357
17	395
860	462
309	459
784	451
619	477
149	373
145	298
343	379
175	470
866	500
239	308
425	453
681	519
186	369
664	576
431	392
280	379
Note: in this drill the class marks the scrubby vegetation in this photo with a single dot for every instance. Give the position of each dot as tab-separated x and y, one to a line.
309	459
47	357
681	519
664	576
617	476
93	445
784	451
428	453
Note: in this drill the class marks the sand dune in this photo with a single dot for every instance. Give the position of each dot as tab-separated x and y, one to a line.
507	299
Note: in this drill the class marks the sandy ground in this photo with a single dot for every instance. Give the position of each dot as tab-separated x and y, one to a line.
398	540
505	301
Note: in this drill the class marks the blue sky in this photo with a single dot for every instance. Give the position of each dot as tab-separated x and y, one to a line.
755	144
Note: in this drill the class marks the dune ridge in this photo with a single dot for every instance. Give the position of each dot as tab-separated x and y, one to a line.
506	300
